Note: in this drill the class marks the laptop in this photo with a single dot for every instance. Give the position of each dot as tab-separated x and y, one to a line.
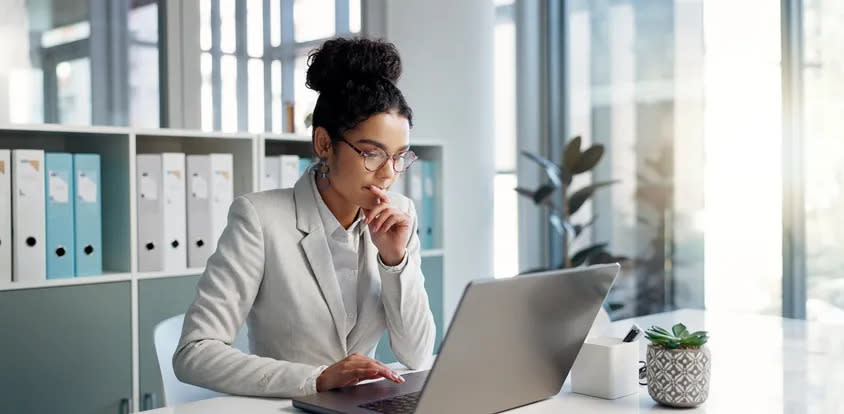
511	343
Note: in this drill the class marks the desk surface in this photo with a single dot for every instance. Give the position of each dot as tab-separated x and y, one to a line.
760	364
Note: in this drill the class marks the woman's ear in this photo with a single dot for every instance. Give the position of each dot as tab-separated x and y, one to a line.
322	142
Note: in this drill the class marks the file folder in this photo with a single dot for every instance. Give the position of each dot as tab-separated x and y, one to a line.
304	163
222	173
199	209
5	217
414	192
428	210
89	214
210	193
59	209
150	213
289	171
174	214
28	218
272	168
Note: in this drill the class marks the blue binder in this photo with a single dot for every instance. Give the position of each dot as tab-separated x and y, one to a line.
58	183
429	220
88	211
304	163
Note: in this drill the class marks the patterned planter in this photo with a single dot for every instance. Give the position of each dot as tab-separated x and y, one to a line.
679	377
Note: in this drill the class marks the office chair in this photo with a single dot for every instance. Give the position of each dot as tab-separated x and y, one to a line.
166	336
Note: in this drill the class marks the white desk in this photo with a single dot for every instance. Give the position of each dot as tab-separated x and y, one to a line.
760	364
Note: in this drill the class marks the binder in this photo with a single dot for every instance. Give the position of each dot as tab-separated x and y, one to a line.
222	196
210	193
428	210
414	192
289	171
272	168
59	198
304	163
88	214
5	217
28	227
150	213
173	209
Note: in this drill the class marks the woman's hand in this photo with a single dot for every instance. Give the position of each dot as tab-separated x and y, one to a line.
389	227
352	370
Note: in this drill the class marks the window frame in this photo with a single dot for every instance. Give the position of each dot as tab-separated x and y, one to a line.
286	53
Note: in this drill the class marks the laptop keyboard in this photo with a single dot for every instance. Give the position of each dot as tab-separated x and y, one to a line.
399	404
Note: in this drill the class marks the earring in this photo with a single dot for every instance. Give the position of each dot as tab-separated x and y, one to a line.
321	170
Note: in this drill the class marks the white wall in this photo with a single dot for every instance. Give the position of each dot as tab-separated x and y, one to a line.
447	53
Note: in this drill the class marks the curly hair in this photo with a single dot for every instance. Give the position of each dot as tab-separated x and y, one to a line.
355	79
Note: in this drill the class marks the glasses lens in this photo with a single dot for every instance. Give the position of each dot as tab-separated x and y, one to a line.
403	162
373	160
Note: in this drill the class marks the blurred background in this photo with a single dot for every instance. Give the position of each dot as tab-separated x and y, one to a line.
720	120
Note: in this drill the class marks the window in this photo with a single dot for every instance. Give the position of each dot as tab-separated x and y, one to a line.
506	241
62	62
254	59
823	87
693	134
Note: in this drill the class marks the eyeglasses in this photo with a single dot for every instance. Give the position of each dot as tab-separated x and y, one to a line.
375	159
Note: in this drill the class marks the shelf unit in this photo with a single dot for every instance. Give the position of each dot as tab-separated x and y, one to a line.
103	362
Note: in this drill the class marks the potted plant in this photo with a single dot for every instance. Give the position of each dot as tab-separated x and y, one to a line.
678	366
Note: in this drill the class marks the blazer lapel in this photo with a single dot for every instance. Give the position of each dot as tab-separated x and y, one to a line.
316	250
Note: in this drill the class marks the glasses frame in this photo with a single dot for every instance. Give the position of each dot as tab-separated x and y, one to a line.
363	153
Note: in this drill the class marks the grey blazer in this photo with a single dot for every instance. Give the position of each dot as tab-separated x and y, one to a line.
272	268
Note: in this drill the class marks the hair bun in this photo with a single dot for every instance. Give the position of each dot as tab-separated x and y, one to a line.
340	61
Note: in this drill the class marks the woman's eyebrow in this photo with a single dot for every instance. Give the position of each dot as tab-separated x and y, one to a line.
379	145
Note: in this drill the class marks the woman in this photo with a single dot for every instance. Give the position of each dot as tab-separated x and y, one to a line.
320	270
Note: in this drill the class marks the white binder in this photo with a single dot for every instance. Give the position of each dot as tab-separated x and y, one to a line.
413	188
173	209
150	213
289	171
272	170
28	216
5	217
199	209
210	193
222	179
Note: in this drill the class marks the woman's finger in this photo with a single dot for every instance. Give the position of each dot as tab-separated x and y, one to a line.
371	214
381	194
381	219
395	218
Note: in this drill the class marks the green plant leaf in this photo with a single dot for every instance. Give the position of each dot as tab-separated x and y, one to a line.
588	159
552	170
579	197
679	329
580	257
571	154
541	194
660	330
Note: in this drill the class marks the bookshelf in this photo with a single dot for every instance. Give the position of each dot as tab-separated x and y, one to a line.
103	324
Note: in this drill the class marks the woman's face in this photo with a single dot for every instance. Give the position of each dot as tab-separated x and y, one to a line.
349	178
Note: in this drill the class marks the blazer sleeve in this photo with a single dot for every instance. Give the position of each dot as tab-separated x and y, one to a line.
410	323
224	297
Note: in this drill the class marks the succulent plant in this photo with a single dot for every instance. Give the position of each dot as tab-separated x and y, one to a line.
678	338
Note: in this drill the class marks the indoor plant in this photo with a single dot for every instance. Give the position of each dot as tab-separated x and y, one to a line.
678	365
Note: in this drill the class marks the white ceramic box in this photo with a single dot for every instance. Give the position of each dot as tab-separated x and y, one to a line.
606	368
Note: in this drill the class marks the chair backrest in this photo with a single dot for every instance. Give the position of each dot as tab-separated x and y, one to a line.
166	335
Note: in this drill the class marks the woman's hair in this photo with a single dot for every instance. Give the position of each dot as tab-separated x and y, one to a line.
355	79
